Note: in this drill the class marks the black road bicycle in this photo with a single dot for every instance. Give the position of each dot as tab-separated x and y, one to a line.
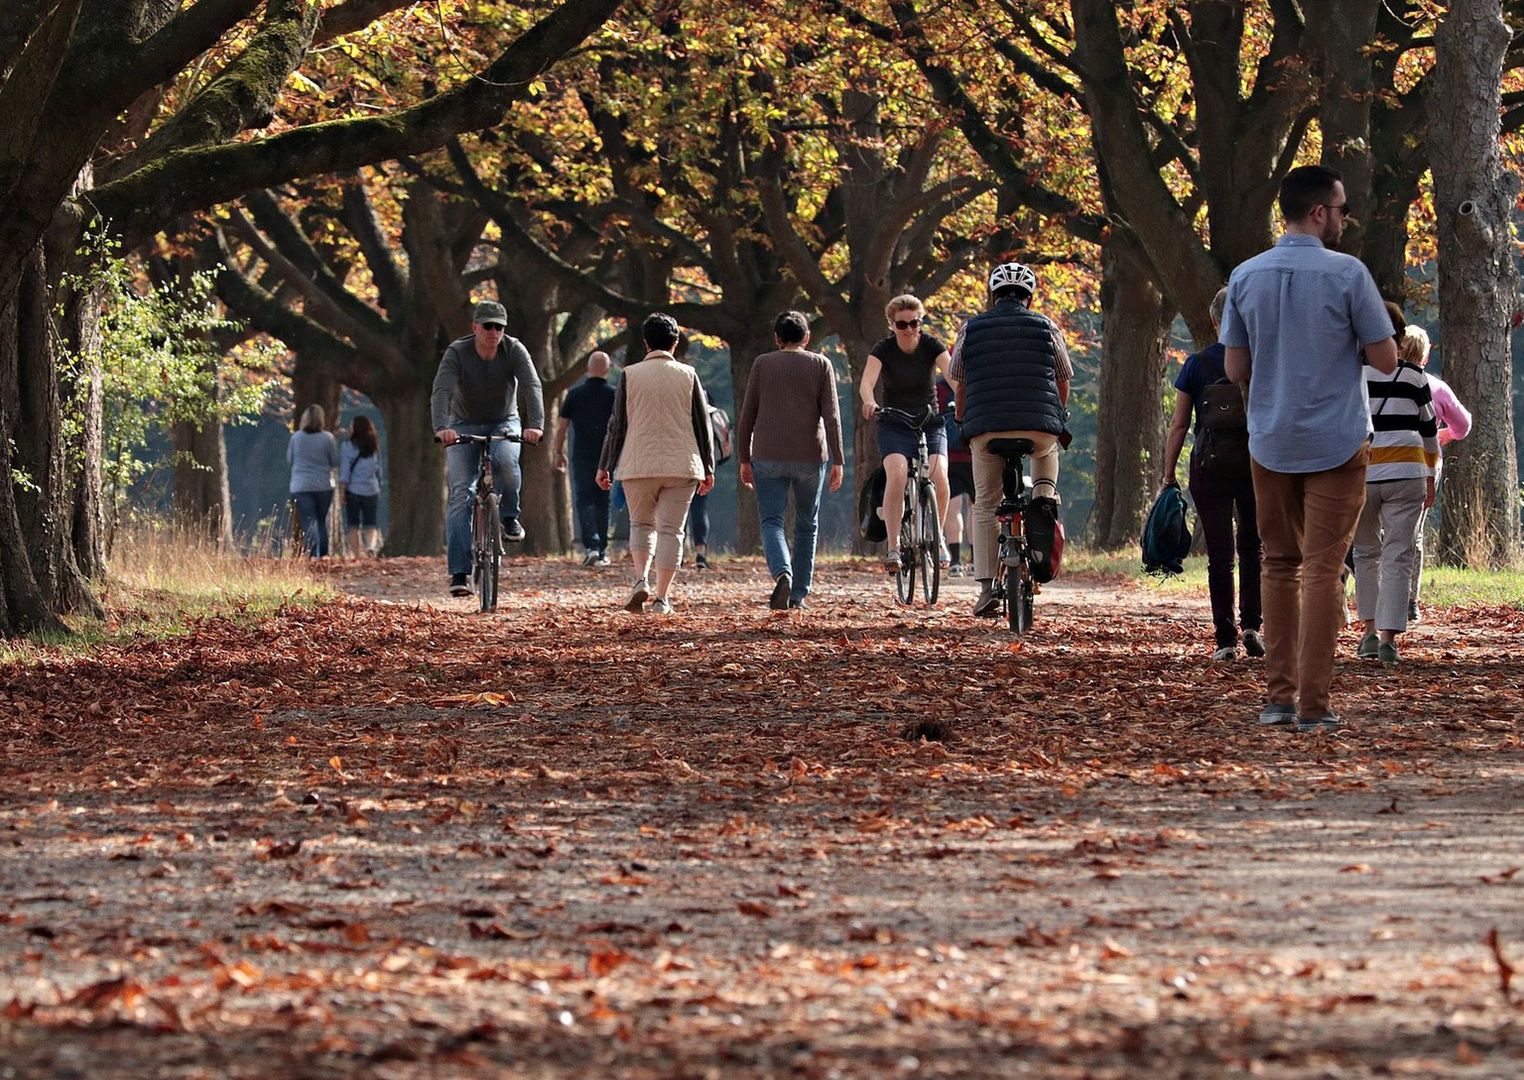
920	538
486	524
1013	582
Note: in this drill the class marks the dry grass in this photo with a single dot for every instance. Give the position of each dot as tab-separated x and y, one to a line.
163	580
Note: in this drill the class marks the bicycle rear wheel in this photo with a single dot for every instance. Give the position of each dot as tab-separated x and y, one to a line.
1018	594
904	578
929	546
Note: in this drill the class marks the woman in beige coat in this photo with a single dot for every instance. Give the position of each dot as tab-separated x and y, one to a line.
659	444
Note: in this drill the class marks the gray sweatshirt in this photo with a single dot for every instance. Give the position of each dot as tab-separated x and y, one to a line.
313	456
470	390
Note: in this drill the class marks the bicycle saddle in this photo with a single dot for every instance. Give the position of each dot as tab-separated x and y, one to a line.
1008	448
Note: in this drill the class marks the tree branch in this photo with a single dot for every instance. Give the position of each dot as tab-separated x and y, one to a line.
360	219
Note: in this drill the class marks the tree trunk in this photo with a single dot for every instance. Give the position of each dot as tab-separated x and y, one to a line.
80	326
539	511
1344	30
47	506
201	502
23	607
415	473
1129	449
1478	290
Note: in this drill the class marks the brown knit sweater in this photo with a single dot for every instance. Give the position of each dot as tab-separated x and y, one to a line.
789	412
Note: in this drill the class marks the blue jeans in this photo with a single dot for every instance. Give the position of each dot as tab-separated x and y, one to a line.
461	462
591	505
312	508
698	520
774	480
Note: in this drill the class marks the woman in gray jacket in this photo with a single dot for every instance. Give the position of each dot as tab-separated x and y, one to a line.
313	456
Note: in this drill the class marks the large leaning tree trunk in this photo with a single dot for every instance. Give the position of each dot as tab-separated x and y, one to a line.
68	71
1130	420
1478	289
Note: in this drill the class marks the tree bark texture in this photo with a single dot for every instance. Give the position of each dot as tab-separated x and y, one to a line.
80	327
414	471
1129	450
1478	289
1344	31
202	505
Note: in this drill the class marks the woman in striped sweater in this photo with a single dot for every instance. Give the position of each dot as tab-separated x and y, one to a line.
1399	487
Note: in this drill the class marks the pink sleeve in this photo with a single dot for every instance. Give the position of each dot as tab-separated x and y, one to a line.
1449	410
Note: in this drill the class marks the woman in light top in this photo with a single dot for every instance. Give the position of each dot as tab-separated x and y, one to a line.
360	486
313	456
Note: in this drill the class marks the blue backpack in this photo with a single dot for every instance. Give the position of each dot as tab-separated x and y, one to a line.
1166	534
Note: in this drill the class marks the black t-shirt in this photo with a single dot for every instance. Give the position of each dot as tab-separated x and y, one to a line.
910	379
586	409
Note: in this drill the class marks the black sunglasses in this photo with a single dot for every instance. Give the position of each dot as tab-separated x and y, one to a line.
497	326
1342	208
906	324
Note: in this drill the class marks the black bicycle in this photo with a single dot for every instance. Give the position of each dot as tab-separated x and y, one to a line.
486	522
920	538
1013	583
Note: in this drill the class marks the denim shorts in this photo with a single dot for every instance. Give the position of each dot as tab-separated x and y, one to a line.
897	438
360	511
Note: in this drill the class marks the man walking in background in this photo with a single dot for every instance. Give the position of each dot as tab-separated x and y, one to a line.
790	427
1295	322
476	392
585	412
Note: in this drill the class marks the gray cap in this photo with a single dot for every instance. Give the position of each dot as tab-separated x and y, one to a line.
490	311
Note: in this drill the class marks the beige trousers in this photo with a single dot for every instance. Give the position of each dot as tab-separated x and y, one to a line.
658	514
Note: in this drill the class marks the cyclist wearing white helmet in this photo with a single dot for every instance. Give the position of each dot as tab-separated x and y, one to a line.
1010	374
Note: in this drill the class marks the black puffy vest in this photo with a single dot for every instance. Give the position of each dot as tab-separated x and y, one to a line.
1008	373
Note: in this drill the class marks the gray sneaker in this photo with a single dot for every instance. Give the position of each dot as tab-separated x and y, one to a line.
1386	652
638	596
1278	715
1329	721
988	604
661	606
1226	652
1370	647
1254	643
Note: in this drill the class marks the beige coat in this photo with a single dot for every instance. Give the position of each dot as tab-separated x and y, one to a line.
659	429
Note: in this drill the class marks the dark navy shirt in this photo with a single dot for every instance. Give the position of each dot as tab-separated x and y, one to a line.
1201	370
586	410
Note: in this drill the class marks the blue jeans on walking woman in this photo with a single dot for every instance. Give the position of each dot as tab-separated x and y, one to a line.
774	481
312	508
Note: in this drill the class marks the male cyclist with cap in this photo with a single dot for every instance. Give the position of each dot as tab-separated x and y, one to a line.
476	392
1010	375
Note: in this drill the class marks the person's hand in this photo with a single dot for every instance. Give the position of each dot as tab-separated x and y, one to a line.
446	436
833	478
560	461
1445	437
604	480
745	473
869	408
532	435
1428	493
706	485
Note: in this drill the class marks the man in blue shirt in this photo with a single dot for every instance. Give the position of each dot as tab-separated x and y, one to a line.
1296	321
585	412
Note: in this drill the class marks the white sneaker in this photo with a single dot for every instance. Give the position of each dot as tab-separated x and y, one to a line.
661	606
1227	652
638	596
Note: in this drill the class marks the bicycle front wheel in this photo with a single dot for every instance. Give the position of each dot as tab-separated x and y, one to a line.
929	544
488	552
904	578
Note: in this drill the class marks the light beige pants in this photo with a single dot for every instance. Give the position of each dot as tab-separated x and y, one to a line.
987	490
658	514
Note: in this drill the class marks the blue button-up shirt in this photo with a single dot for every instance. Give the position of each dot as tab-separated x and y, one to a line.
1304	312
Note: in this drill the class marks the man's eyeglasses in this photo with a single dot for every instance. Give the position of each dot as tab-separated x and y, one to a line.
906	324
495	327
1342	207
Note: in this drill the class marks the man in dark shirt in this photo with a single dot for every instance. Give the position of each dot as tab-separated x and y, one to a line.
585	413
476	392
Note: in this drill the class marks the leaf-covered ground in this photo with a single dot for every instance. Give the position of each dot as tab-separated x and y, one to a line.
391	837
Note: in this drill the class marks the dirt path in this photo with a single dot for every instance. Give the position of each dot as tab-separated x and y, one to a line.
402	839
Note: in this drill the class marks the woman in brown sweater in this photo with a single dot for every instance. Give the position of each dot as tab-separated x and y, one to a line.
660	446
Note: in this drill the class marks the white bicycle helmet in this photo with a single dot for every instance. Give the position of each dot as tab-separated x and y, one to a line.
1013	273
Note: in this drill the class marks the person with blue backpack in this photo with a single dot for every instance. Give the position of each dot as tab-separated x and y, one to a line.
1222	488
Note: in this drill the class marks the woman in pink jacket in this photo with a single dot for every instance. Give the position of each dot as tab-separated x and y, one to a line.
1454	423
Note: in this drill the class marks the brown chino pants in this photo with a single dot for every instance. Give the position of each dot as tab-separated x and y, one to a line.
1306	523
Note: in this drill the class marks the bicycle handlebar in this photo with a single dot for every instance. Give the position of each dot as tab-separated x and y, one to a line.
930	418
486	438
